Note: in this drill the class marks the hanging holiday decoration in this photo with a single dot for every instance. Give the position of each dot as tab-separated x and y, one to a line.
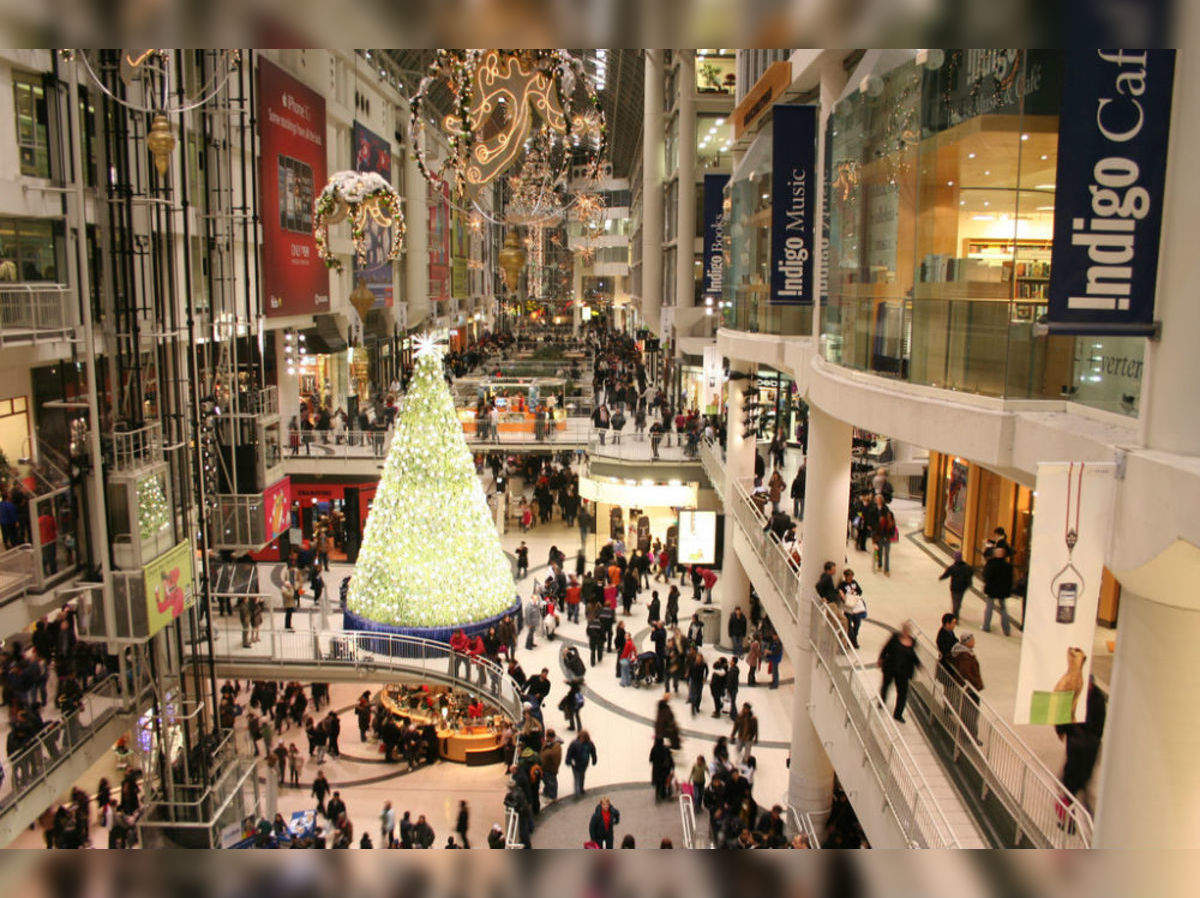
430	555
359	197
535	113
512	260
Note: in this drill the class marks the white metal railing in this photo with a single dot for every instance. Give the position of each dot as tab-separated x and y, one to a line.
687	816
1041	808
29	312
629	445
364	650
712	459
512	828
781	568
130	449
803	824
30	763
261	403
16	572
909	798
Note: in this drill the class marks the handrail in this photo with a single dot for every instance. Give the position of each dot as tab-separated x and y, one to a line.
365	650
1052	816
909	795
712	459
910	799
803	824
687	815
30	310
512	828
337	443
58	739
634	446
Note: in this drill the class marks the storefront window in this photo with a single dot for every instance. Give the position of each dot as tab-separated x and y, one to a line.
28	249
748	239
941	178
29	100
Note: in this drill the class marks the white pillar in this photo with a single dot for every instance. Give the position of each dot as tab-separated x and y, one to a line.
826	497
652	191
832	82
1149	778
416	269
685	231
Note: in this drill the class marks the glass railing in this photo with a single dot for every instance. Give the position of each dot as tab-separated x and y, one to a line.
782	568
31	762
16	572
712	459
1038	810
240	521
366	651
629	445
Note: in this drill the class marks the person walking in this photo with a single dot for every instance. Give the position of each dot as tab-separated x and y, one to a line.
551	760
387	825
997	587
883	533
716	685
570	705
602	828
737	628
898	660
853	605
745	731
732	683
960	574
966	665
320	788
697	673
580	754
462	823
661	765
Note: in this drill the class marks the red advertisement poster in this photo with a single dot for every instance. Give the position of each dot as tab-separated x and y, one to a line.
277	507
291	121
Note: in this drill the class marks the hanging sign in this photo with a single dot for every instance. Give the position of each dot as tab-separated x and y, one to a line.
714	235
373	153
1112	151
793	204
1071	523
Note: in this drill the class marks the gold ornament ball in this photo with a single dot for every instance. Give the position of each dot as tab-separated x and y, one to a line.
161	142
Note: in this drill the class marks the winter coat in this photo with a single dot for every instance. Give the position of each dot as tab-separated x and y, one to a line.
898	659
967	665
997	578
960	574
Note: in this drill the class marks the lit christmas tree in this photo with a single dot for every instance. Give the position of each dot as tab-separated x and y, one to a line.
430	555
152	507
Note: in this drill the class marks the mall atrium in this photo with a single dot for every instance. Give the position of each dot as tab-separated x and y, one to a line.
695	448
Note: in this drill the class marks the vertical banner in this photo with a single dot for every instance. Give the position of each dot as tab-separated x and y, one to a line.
168	584
439	247
1071	524
794	186
373	153
291	123
460	250
1112	152
277	508
714	236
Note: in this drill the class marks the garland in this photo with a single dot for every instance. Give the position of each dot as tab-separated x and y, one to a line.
361	197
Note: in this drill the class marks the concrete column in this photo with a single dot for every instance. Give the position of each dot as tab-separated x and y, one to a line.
733	589
685	239
652	190
827	491
416	269
1148	784
1169	418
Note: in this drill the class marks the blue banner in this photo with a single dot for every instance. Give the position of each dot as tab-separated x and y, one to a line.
1112	152
373	153
793	204
714	236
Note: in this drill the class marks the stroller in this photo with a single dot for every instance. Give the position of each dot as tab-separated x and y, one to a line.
645	669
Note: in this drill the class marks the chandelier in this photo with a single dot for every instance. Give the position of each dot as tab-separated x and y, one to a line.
534	114
360	197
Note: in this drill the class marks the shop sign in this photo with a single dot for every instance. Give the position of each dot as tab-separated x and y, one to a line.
374	154
1112	150
714	235
277	508
765	91
292	172
793	204
168	584
1071	524
697	536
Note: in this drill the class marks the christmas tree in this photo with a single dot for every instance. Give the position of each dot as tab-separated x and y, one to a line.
152	508
430	555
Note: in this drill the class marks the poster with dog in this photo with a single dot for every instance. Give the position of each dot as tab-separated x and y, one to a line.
1072	517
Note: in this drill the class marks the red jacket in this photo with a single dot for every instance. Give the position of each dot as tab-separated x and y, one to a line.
459	642
476	648
628	651
708	577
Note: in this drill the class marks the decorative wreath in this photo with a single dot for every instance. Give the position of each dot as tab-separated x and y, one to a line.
359	196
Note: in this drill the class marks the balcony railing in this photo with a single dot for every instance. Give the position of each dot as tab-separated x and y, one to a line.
1037	810
239	521
712	459
629	445
33	312
129	450
1041	810
16	572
